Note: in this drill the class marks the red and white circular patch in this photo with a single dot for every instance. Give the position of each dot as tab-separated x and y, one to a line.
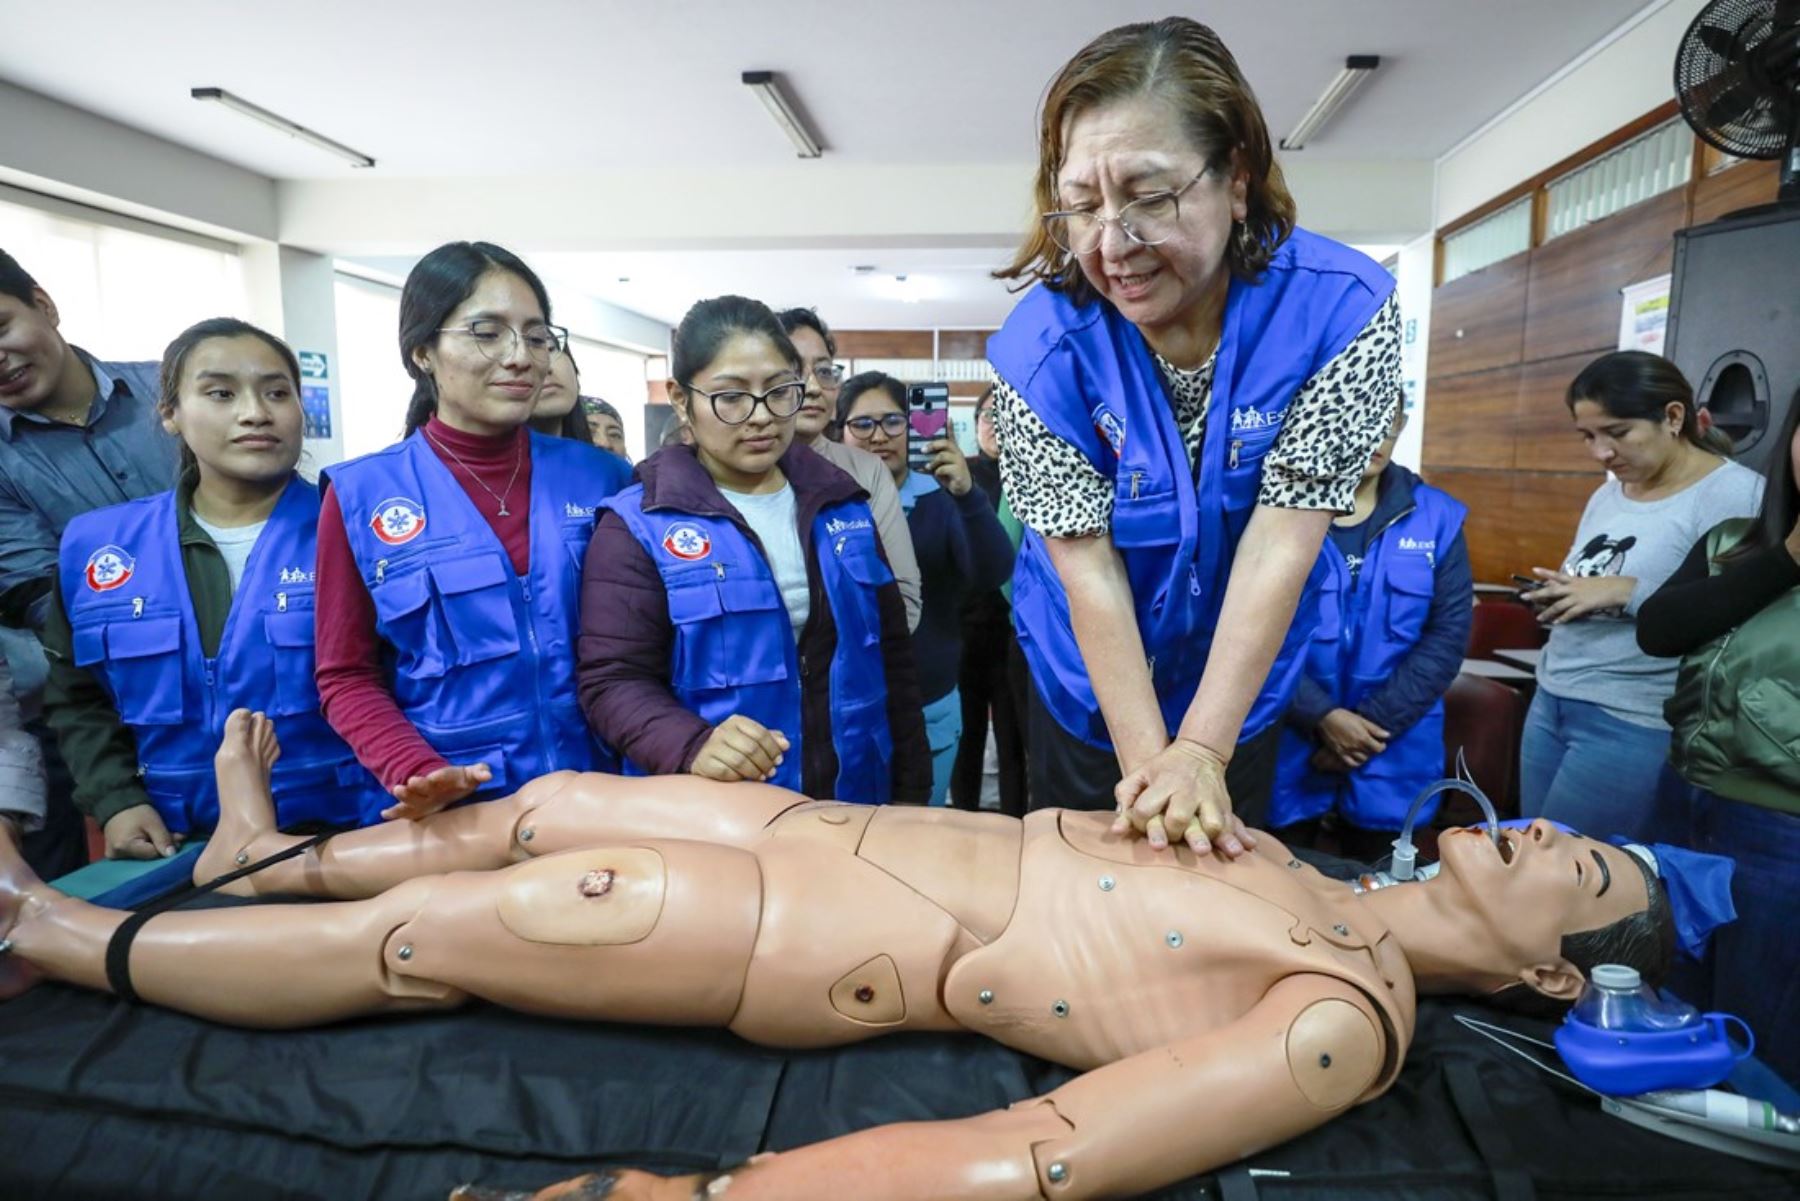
398	520
688	543
109	568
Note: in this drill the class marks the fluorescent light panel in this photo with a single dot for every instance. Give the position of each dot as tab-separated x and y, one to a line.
1358	69
257	112
768	90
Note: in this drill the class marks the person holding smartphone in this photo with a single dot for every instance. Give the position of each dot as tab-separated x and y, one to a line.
961	546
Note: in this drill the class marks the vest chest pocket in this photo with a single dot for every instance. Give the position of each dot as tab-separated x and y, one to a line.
476	599
728	632
1145	519
1411	583
290	635
141	659
868	575
403	607
1244	454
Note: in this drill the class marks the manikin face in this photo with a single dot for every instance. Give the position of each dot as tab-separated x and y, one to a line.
889	448
1631	448
821	401
738	455
33	356
1135	148
480	395
238	410
1544	885
560	390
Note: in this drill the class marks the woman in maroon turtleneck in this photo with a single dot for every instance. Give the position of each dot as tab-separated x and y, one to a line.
417	668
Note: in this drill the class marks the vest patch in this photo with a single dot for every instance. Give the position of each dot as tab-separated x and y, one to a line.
686	542
296	575
1247	418
1111	427
571	509
838	525
397	520
108	568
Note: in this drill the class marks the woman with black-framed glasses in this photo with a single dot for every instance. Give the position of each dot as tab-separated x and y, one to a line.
1185	404
449	562
739	619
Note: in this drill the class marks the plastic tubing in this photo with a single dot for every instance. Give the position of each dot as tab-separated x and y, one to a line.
1406	855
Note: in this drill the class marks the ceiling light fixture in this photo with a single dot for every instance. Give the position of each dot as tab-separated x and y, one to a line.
257	112
1358	70
768	89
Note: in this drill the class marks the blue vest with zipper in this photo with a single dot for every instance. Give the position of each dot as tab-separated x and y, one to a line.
1363	632
125	591
1087	373
734	649
483	658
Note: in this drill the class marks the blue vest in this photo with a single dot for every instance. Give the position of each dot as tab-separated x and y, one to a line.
483	658
126	594
734	649
1363	632
1087	373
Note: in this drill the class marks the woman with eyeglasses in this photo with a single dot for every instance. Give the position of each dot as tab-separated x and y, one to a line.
739	620
824	375
449	562
961	546
1185	403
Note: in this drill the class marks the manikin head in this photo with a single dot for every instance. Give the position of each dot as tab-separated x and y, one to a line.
1536	914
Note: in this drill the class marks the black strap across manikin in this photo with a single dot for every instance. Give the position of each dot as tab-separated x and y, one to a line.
118	948
1512	1182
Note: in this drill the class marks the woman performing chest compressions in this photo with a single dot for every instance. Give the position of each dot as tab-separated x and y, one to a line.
175	609
1183	405
448	563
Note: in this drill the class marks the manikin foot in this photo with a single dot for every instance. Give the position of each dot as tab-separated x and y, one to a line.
246	831
20	888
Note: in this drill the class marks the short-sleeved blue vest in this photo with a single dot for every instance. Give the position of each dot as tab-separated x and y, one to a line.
483	658
734	649
1087	373
1363	632
125	591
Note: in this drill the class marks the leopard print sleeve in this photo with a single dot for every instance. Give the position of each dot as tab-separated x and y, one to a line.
1049	484
1334	425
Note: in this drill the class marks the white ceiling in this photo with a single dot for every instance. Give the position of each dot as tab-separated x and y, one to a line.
529	97
481	87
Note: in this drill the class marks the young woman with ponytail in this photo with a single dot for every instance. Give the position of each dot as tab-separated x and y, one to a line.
449	562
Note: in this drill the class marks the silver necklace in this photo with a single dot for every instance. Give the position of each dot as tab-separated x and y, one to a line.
518	462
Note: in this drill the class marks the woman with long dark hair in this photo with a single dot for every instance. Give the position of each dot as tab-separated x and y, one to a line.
1595	738
449	562
173	610
1732	612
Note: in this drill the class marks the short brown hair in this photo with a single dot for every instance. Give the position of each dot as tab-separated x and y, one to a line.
1184	62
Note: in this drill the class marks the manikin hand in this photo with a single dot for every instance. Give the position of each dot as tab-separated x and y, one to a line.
422	796
1563	598
139	833
1180	793
740	748
949	466
1351	738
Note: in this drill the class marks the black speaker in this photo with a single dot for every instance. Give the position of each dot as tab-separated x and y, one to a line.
1734	324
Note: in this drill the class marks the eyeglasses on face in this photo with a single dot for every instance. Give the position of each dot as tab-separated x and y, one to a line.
890	424
496	340
1148	221
734	406
829	375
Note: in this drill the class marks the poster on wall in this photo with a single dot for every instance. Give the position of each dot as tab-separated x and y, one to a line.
315	408
1644	315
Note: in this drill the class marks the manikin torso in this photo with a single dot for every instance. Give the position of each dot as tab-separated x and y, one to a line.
1050	935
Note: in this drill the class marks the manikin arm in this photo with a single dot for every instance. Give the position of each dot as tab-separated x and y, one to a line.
1313	1047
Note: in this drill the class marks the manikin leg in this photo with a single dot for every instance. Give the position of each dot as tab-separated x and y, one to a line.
652	932
561	811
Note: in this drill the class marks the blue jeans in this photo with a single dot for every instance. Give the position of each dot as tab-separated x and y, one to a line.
1753	969
1581	766
943	730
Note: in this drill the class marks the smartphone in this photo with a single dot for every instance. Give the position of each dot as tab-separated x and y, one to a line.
927	420
1526	583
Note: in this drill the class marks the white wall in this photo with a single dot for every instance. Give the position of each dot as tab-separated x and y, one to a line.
1611	86
1361	202
1417	262
50	147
